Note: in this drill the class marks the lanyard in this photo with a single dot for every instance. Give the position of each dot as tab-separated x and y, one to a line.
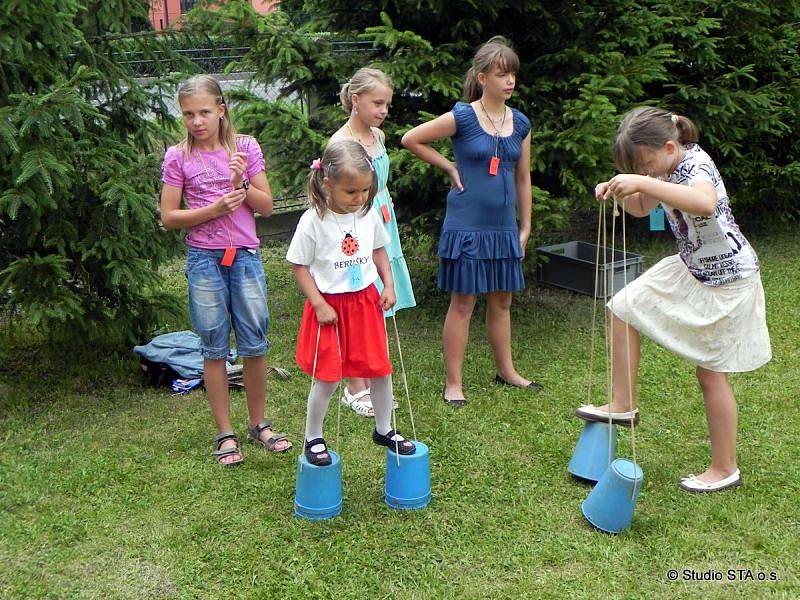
494	163
230	251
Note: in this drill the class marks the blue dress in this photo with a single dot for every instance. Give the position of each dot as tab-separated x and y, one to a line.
402	279
479	245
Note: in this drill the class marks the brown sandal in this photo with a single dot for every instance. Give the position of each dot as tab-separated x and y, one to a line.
254	435
219	454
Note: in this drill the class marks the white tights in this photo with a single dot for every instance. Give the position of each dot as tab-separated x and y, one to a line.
380	390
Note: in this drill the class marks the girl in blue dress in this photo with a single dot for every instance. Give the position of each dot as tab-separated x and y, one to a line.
481	244
366	98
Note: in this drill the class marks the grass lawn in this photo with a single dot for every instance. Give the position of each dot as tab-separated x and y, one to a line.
108	489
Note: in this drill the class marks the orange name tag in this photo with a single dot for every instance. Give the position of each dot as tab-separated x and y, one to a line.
494	164
386	214
227	258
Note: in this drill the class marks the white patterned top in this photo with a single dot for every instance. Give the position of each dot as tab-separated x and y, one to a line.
713	248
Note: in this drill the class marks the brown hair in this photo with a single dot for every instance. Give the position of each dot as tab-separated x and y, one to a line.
206	84
364	80
497	52
650	127
338	158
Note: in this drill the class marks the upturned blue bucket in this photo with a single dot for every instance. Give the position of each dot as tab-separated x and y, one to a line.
610	505
591	456
408	480
318	492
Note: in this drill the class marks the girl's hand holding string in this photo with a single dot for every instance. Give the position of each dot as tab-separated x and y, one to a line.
623	185
238	167
229	202
600	190
325	314
388	298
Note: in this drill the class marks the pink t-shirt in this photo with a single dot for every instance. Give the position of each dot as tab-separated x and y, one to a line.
204	177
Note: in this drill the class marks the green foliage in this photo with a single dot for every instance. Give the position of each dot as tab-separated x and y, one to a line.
731	67
78	171
80	139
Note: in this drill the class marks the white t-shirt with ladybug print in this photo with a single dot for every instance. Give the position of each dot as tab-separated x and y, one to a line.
337	249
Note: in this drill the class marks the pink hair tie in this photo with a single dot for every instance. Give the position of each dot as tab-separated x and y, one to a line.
316	164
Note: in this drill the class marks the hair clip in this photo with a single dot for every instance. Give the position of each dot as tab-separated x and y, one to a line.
369	162
316	164
674	119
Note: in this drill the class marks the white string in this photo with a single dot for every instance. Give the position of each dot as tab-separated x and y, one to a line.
628	351
314	367
594	309
609	324
394	416
405	377
338	390
314	381
627	337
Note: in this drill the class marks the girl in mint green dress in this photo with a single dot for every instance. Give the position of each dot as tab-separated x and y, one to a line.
367	97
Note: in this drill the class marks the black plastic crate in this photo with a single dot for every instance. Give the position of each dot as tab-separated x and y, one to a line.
572	266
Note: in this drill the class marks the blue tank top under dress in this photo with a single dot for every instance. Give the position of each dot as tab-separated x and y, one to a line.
479	248
402	280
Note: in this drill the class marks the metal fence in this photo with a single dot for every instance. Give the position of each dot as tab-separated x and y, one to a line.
213	57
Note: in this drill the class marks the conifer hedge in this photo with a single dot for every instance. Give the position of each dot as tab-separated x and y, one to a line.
81	141
80	145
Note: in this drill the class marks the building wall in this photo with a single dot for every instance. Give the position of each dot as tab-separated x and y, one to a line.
166	13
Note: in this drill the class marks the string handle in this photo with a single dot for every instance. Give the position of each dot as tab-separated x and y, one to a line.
314	381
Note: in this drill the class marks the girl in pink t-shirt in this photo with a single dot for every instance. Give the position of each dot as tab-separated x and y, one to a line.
220	178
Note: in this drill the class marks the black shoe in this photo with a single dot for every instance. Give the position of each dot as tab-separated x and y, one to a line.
318	459
533	385
455	402
404	447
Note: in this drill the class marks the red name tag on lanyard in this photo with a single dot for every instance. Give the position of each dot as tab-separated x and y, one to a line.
494	165
228	257
385	212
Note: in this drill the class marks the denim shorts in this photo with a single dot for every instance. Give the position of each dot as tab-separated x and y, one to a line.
220	296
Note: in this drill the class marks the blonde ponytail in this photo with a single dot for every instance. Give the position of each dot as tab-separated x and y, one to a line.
364	80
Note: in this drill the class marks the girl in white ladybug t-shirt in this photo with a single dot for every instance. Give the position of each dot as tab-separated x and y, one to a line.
337	255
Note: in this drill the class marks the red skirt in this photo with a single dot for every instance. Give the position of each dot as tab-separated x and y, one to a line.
362	338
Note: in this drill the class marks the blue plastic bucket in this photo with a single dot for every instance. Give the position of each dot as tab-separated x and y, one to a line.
591	456
318	493
408	484
610	505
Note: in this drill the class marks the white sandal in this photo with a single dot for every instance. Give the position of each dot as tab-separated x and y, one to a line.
363	408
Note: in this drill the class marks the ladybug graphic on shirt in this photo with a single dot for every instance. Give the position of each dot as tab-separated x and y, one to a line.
349	245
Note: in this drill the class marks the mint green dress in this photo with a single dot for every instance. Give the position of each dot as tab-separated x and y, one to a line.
402	280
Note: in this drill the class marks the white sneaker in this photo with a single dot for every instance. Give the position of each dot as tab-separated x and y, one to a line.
590	412
692	484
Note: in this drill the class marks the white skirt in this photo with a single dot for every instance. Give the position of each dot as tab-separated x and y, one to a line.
721	328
